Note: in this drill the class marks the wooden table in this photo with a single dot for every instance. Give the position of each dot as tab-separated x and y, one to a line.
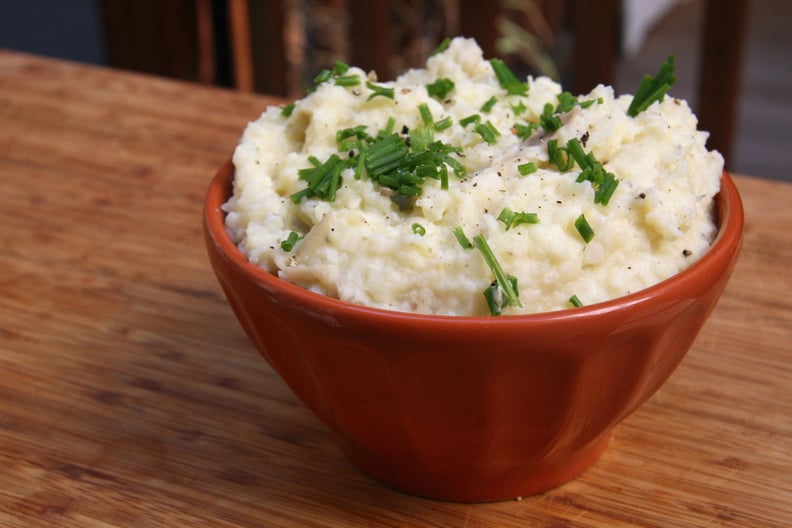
129	396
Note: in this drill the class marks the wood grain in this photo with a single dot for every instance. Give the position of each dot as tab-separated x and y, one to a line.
130	397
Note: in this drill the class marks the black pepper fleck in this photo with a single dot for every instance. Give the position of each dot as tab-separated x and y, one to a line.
686	252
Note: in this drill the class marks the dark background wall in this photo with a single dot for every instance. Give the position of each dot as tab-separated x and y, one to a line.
75	30
68	29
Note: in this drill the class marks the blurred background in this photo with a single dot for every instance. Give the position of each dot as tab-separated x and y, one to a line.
733	56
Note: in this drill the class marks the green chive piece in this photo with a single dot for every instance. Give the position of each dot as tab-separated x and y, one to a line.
421	137
574	301
440	88
461	238
488	132
603	182
291	240
418	229
442	46
487	106
527	168
443	124
287	110
379	91
323	179
654	88
519	108
548	120
348	80
524	131
559	156
426	114
465	121
566	102
507	79
507	285
513	219
585	230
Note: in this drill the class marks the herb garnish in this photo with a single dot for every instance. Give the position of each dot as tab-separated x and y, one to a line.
488	132
465	121
513	219
548	120
323	179
379	91
524	131
603	182
291	240
583	227
488	104
442	46
504	285
461	238
507	79
440	88
287	110
574	301
527	168
654	88
337	74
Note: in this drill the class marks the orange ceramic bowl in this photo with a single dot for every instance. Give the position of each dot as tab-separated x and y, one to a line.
472	408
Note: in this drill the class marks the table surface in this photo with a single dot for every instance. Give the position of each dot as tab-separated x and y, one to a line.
129	395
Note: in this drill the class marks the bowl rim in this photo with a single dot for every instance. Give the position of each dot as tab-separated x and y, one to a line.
729	219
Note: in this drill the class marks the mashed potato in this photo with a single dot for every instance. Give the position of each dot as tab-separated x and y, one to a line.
376	246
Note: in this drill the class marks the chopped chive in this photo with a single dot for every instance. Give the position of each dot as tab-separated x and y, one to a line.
605	190
585	230
465	121
421	137
348	80
507	285
559	156
440	88
444	123
488	132
654	88
340	68
548	120
507	79
350	138
287	110
603	182
323	179
461	238
487	106
418	229
519	108
382	91
291	240
574	301
575	149
524	131
338	71
566	102
586	104
513	219
426	114
527	168
442	46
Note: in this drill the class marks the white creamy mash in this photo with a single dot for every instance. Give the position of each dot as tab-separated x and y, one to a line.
375	246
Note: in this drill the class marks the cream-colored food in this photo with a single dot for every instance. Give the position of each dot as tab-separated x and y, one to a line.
362	247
